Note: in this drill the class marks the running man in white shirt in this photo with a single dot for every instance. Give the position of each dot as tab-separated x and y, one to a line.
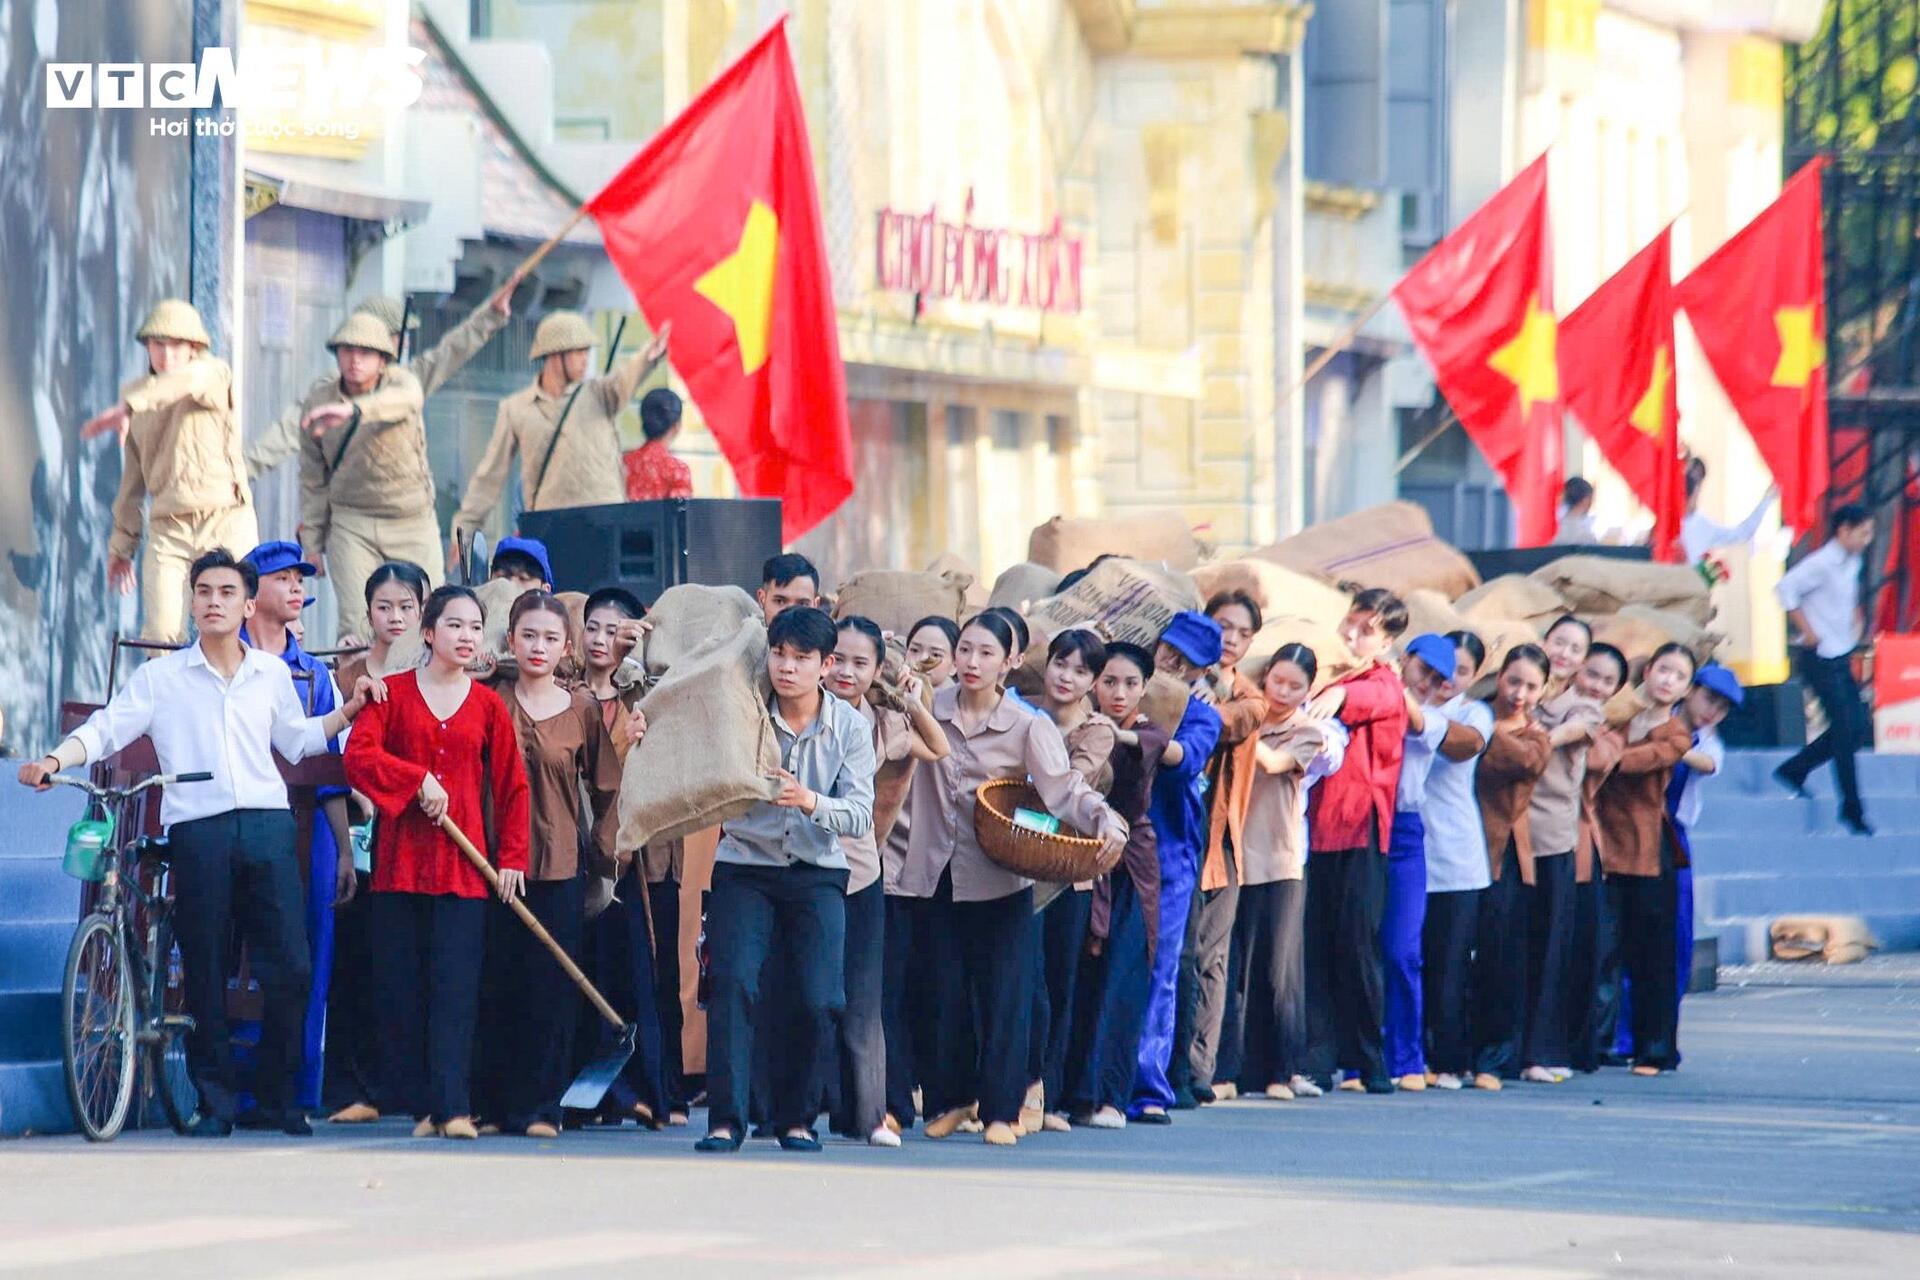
222	707
1821	595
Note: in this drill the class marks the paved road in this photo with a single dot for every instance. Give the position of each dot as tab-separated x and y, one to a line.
1789	1146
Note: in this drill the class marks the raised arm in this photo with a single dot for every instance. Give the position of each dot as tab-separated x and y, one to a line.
1658	751
207	381
1515	754
126	718
1241	714
461	344
1067	795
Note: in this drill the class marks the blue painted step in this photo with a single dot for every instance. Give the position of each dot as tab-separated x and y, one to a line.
33	954
37	889
1720	897
1768	851
1880	775
1762	815
29	1026
33	1099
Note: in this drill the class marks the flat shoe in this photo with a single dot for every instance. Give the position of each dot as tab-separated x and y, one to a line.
460	1127
947	1123
1645	1070
1352	1085
1153	1115
1226	1091
1488	1081
425	1129
803	1141
883	1137
1305	1087
677	1119
1055	1122
1001	1134
722	1141
1107	1118
1539	1075
541	1129
1414	1083
1279	1092
355	1113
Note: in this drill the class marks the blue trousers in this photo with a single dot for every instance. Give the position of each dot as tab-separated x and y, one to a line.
323	863
1401	921
1179	871
1109	1007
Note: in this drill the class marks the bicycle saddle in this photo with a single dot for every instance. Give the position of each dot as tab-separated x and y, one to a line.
151	848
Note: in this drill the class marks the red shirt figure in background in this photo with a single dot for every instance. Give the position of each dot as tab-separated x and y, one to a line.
652	471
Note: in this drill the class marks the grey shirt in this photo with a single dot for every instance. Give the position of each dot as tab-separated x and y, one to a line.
833	758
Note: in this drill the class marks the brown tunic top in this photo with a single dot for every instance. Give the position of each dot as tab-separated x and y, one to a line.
1134	769
1273	846
563	752
1090	751
1512	764
1230	780
1631	809
1555	815
1602	756
892	744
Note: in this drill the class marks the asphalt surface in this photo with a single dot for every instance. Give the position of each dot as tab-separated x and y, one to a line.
1788	1145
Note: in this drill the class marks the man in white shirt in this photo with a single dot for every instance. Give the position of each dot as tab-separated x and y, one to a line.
225	708
1576	514
1700	534
1821	595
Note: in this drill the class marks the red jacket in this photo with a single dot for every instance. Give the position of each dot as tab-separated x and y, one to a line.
396	743
1353	807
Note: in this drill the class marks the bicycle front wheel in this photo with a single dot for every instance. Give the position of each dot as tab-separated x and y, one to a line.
97	1046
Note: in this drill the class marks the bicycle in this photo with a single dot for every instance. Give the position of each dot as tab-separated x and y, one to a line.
124	991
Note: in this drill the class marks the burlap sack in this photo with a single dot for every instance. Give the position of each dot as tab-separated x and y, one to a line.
976	592
496	603
1514	596
687	616
896	600
1832	939
1389	546
1065	544
1331	656
1165	701
710	748
1600	585
1023	586
1126	599
1275	588
1637	631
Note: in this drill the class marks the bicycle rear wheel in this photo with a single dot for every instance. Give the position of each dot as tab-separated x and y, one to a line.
167	1049
97	1039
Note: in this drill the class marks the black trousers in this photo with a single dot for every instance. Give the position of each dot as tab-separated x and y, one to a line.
621	954
664	899
858	1103
1644	911
1550	927
1500	971
1831	680
1063	939
1346	995
1203	969
429	949
979	964
352	1070
796	917
1446	960
1110	1009
1264	1021
1586	1041
903	1003
529	1008
235	875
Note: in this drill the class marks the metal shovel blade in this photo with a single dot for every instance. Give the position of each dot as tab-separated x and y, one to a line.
591	1085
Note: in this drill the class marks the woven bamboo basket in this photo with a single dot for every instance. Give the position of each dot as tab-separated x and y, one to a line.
1065	857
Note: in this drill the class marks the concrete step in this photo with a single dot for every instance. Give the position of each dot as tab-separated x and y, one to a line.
33	1098
37	889
33	953
1770	850
1750	813
1723	896
1748	939
29	1025
1880	775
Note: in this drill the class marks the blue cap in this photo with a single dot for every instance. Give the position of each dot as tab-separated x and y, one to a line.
1722	681
1436	651
272	557
1195	636
526	547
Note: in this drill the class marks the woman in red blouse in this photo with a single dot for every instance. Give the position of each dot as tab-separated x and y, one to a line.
440	744
652	471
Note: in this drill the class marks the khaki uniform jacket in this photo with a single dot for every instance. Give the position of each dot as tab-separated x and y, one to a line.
182	450
586	469
382	470
281	440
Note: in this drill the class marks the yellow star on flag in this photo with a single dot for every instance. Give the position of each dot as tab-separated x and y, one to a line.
1802	348
1650	415
1528	361
741	284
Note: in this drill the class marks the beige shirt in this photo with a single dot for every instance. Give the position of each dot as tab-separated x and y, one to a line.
1012	743
1273	842
892	743
1555	817
382	467
281	440
182	451
586	469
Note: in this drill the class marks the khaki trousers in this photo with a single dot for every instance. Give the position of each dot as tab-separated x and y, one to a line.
172	544
358	544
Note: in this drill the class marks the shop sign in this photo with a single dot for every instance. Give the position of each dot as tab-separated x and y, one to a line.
920	253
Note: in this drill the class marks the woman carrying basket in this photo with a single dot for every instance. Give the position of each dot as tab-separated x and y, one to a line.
978	952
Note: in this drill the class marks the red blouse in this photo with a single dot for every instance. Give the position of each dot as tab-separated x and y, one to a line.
396	743
653	472
1354	806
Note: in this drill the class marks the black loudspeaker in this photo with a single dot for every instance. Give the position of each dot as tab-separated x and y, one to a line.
1492	564
1774	715
647	547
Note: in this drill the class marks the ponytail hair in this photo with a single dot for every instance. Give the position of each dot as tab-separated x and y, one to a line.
995	624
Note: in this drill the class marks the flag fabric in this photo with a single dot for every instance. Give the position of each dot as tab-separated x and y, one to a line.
715	226
1758	307
1480	305
1616	376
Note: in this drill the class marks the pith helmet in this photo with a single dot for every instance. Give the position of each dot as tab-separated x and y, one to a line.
561	331
389	310
174	318
363	330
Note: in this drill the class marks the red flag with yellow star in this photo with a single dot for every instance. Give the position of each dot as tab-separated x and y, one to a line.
1758	306
715	226
1616	376
1480	305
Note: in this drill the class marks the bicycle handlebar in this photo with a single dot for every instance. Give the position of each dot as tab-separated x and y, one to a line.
121	793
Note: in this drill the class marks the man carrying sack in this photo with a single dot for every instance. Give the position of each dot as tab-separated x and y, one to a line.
564	428
366	492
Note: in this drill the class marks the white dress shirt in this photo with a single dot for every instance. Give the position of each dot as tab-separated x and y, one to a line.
1826	588
1700	534
200	722
1456	838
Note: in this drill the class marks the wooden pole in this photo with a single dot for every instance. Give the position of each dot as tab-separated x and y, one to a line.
1446	424
534	258
1338	345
